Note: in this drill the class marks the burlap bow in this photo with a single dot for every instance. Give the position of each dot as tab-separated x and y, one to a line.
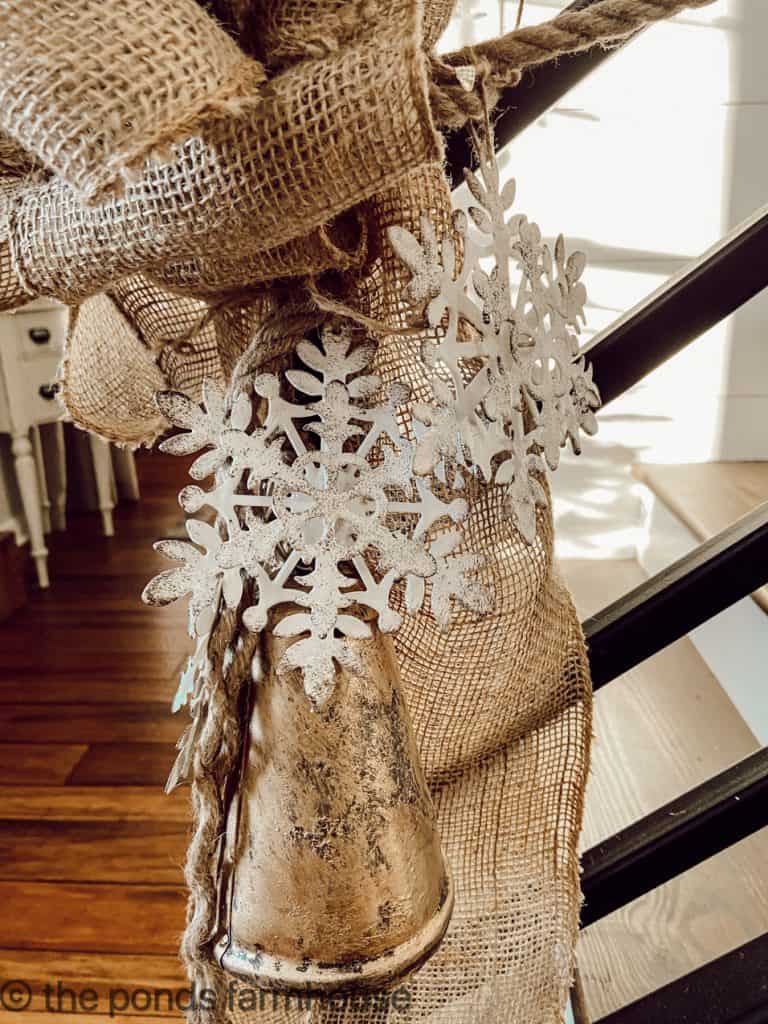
180	161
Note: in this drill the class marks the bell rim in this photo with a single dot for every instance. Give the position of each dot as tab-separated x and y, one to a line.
276	973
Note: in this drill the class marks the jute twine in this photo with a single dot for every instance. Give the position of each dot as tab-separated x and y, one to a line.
499	63
218	748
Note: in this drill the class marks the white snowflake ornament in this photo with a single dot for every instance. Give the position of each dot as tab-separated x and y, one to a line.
317	508
510	387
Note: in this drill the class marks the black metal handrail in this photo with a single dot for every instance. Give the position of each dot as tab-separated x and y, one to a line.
676	837
723	570
682	309
679	598
730	990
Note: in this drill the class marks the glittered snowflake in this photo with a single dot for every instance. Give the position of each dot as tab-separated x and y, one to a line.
510	387
315	503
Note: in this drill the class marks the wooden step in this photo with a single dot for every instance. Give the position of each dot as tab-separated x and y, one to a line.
92	917
92	851
708	496
90	847
661	729
136	722
93	803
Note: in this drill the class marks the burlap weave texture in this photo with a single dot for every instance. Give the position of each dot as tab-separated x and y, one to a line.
136	333
296	30
327	134
501	705
110	412
91	87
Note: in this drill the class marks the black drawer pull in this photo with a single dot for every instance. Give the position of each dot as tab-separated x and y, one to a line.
39	335
48	391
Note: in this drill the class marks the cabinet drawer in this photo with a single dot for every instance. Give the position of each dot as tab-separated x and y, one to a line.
43	404
40	333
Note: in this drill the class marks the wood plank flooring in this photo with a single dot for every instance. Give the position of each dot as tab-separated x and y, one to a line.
91	849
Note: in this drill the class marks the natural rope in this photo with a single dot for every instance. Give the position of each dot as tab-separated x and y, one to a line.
499	63
216	757
334	307
219	751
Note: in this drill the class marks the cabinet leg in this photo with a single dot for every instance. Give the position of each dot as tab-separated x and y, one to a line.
58	478
42	483
26	476
102	471
125	472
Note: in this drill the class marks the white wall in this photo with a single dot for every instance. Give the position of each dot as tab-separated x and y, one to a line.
644	166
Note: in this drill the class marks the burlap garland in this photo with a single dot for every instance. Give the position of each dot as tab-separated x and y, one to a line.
258	184
502	711
12	291
254	180
163	322
19	171
339	245
111	412
306	29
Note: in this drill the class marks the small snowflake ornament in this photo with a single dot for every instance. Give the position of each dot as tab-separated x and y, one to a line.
318	507
509	385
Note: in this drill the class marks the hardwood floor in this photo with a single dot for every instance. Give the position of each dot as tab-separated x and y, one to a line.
91	849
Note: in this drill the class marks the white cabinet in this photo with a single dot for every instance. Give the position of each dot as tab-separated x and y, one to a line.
31	346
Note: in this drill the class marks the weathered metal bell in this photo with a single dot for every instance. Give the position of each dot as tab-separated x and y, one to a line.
336	878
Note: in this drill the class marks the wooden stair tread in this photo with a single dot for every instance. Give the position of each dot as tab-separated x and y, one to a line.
661	729
92	851
93	803
90	847
38	764
81	764
709	496
136	722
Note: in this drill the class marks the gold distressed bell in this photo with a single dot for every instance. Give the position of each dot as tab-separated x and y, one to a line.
335	878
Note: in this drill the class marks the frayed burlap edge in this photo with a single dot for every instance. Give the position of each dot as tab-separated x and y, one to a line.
147	422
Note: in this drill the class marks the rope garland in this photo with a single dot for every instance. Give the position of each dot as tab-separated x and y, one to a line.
499	63
220	747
